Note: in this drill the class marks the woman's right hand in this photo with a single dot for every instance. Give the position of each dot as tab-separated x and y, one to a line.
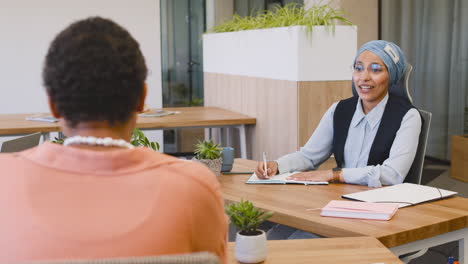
272	169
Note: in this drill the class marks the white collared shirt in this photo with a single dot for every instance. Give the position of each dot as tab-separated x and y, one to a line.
361	134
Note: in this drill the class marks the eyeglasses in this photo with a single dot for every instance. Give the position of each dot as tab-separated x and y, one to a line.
373	68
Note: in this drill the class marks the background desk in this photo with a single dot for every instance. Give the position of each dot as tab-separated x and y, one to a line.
354	250
411	229
208	117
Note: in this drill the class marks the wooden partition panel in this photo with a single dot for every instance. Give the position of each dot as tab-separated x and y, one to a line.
287	112
272	102
314	100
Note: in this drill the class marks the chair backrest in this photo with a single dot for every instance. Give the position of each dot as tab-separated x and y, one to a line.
415	172
192	258
21	143
401	88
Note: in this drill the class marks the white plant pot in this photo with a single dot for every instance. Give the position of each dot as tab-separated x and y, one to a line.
251	249
213	165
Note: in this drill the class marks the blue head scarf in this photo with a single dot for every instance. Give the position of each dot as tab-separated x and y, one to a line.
392	56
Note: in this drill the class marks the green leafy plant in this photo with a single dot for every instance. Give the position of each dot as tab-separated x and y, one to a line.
58	140
246	217
139	139
291	14
207	150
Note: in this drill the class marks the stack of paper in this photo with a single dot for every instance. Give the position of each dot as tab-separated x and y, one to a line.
361	210
157	113
49	119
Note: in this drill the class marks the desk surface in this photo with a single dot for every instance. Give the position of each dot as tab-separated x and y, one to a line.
327	250
289	202
188	117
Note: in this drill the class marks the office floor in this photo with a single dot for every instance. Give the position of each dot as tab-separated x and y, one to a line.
444	181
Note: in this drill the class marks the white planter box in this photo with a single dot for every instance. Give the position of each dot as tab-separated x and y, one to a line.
286	53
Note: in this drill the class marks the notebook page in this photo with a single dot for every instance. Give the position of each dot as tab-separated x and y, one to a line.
281	179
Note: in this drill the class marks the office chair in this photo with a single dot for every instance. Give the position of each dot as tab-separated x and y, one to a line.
21	143
415	173
193	258
401	89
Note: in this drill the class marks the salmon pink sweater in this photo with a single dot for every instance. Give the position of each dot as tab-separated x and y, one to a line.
60	202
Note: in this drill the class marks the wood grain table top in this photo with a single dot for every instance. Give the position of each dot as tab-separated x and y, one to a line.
187	117
354	250
17	124
196	117
290	204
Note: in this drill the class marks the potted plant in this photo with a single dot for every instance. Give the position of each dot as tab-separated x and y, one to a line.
139	139
288	43
209	154
251	244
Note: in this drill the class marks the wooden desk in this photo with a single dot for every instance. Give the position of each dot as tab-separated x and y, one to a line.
16	124
209	117
327	250
414	227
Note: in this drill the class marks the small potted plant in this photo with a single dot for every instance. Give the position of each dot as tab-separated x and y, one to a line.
209	154
251	244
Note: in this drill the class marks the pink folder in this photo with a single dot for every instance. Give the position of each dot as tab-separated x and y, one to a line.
363	210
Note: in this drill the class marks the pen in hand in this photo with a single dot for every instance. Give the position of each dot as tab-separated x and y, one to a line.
265	168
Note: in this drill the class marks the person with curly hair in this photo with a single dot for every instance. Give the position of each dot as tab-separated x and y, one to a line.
97	196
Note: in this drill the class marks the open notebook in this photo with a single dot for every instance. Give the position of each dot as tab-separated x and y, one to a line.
405	194
280	179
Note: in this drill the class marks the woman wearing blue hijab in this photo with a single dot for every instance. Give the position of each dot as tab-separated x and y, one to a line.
373	135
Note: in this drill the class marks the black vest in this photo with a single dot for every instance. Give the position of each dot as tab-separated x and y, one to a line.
395	110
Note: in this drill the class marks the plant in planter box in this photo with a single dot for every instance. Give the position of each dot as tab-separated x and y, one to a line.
287	32
291	14
209	154
250	241
288	43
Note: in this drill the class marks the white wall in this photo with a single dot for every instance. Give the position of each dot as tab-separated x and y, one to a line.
28	26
